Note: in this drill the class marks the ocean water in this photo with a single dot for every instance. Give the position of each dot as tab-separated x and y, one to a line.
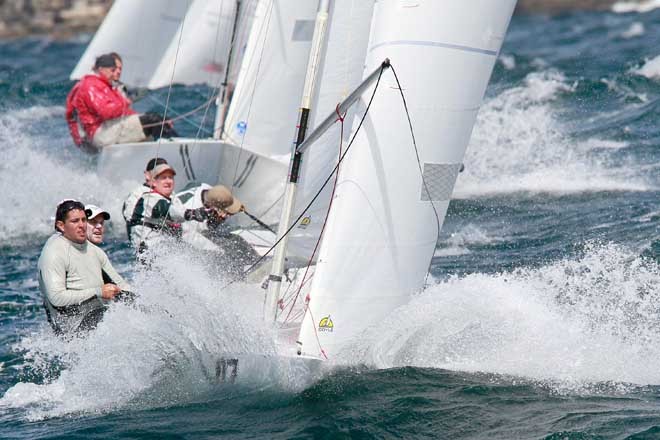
542	319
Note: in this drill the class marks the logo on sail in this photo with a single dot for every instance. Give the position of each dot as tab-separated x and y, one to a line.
304	222
241	127
326	324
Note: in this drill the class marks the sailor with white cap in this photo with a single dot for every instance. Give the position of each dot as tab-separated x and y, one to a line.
96	218
75	276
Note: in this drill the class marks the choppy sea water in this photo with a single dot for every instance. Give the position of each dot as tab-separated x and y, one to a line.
542	320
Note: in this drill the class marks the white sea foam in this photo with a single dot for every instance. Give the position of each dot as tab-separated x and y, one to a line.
37	170
508	61
163	351
650	69
635	6
636	29
459	242
519	145
569	324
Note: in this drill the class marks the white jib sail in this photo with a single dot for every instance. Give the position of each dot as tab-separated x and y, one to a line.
341	71
262	115
382	230
140	31
202	53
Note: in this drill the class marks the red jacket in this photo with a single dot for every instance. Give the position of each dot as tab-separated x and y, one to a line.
71	116
96	101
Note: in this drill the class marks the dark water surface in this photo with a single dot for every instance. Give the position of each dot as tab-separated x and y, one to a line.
542	321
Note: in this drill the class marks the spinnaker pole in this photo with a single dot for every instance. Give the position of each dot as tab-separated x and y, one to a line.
313	66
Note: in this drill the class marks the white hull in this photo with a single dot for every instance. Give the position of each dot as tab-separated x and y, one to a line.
258	181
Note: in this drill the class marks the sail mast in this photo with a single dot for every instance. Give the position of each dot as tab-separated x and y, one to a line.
222	102
275	278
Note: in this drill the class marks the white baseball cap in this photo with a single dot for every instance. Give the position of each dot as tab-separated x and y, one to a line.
92	211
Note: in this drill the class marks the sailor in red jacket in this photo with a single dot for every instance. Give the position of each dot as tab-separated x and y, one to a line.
104	113
72	117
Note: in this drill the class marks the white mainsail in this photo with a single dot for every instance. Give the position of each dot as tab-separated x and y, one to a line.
140	31
199	55
382	229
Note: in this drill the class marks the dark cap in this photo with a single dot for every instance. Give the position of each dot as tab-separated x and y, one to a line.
153	162
105	60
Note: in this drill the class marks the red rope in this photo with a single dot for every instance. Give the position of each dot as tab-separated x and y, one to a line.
316	333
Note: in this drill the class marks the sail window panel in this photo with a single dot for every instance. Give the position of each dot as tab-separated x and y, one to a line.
440	179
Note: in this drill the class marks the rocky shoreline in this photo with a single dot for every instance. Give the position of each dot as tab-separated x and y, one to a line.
65	18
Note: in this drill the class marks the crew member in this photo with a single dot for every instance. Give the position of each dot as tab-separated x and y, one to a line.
104	113
71	116
96	218
153	125
229	251
71	273
134	196
157	215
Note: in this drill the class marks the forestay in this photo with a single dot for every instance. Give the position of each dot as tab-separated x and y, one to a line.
382	229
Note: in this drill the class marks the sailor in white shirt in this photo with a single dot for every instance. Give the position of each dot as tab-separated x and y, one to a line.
71	273
135	195
158	216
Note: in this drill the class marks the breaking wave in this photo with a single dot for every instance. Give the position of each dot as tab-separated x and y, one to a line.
38	169
623	7
583	320
650	68
520	145
160	351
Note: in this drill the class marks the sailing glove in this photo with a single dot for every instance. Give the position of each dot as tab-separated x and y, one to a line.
199	214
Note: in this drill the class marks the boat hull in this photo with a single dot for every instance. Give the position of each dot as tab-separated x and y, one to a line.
258	181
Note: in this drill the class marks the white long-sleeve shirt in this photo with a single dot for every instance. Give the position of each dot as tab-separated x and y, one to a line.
70	273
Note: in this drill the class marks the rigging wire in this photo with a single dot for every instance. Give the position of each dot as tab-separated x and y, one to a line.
169	88
318	193
419	166
254	90
162	127
183	115
213	94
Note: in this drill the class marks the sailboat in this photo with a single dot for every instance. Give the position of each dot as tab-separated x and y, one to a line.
255	51
400	83
393	187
